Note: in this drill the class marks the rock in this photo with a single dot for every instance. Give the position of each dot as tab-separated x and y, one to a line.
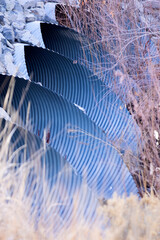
2	39
10	45
6	22
7	56
10	16
26	37
1	47
1	28
50	12
30	17
9	34
2	9
29	4
1	18
15	16
5	42
8	51
10	4
18	7
3	3
40	5
39	13
2	68
8	62
20	17
18	25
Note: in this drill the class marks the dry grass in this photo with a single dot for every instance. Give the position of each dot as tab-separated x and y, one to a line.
132	219
128	219
129	31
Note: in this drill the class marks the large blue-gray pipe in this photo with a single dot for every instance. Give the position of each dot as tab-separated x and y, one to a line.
71	132
79	86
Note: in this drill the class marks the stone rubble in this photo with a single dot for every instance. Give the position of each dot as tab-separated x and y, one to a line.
15	14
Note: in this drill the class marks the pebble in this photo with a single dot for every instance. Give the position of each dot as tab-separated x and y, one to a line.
1	28
0	48
39	13
8	33
30	17
50	12
18	7
10	4
26	37
30	4
40	5
3	3
1	17
2	68
8	61
18	25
